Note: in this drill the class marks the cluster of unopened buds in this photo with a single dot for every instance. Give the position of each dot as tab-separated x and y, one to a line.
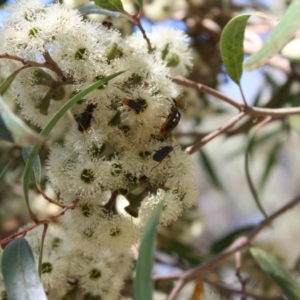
118	159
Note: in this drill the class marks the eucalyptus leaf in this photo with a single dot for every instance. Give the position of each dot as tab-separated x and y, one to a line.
231	45
19	272
2	172
250	183
93	9
14	129
278	274
278	38
210	169
113	5
7	82
37	168
143	284
272	159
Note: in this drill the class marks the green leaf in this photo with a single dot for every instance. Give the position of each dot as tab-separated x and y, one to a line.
37	169
14	129
7	82
143	284
231	45
93	9
172	246
19	272
47	129
255	143
210	169
3	171
271	163
140	2
278	274
228	239
250	183
114	5
278	38
42	250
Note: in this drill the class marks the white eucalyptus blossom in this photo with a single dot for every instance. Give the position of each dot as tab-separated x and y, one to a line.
119	142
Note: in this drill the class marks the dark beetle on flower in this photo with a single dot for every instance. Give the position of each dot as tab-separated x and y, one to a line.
86	117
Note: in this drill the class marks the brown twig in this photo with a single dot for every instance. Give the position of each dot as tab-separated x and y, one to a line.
136	20
111	202
243	95
205	89
40	222
272	112
192	149
222	287
244	109
249	110
51	62
239	275
49	199
48	64
237	245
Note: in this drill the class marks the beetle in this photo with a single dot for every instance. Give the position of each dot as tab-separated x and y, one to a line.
86	117
136	105
161	154
171	121
108	24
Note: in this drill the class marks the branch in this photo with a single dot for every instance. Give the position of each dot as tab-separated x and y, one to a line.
209	137
50	199
249	110
205	89
227	289
40	222
136	20
238	274
48	64
237	245
271	112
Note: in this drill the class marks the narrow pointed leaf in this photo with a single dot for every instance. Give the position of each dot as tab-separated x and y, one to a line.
14	129
271	163
3	171
229	238
36	167
278	38
5	134
250	183
231	44
7	82
93	9
47	129
114	5
279	275
143	284
210	169
19	272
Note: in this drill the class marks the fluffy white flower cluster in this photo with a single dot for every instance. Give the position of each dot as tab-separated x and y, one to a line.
117	146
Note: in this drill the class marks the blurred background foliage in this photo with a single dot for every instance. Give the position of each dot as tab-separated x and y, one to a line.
225	208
